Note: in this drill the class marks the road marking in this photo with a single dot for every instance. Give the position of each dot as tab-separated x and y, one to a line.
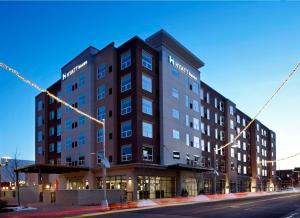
181	204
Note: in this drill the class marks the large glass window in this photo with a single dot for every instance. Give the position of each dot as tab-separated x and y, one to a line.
81	80
40	105
81	100
146	83
147	60
147	129
40	149
58	132
126	129
176	134
100	135
175	114
58	147
147	153
196	123
195	87
126	106
126	151
147	106
196	142
175	73
51	115
40	120
125	60
81	139
101	71
101	92
175	93
59	113
112	182
126	83
101	113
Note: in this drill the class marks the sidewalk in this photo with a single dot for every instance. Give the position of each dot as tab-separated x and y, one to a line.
55	210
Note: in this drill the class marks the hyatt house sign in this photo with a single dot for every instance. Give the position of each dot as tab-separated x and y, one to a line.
181	68
73	70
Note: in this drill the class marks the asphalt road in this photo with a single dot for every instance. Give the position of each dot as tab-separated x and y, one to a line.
278	206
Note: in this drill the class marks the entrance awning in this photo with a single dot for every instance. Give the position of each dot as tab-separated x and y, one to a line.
190	168
50	169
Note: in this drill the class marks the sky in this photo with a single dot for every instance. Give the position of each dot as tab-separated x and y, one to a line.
248	49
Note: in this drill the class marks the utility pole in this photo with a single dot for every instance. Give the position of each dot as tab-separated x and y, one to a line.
104	202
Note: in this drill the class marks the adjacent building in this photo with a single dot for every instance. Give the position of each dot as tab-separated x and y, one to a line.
164	127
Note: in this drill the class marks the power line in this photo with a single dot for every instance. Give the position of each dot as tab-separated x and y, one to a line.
15	72
293	72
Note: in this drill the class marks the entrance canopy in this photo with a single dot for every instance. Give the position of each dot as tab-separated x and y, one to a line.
191	168
50	169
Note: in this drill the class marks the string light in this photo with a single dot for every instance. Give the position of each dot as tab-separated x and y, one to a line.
293	72
4	66
263	107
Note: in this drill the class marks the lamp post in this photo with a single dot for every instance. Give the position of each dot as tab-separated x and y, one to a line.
104	202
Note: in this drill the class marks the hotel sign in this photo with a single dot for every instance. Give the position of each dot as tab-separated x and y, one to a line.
181	68
73	70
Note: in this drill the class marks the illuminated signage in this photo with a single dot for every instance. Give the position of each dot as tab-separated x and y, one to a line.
181	68
73	70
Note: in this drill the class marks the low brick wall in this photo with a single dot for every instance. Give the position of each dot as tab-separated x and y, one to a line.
82	197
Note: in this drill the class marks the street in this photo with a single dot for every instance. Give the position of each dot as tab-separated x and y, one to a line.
287	205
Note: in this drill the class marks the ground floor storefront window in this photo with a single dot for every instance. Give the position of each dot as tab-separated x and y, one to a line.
76	183
155	187
220	186
243	186
112	182
190	186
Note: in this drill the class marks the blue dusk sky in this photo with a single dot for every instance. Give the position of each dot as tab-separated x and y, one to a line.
248	49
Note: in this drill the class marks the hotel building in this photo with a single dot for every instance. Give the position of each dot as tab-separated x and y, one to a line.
162	125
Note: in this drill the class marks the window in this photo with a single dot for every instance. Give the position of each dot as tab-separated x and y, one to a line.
81	80
175	73
231	111
100	135
101	113
59	113
52	147
51	100
51	131
58	147
146	60
101	71
239	156
126	153
40	105
244	122
81	120
81	160
238	119
81	100
232	152
195	106
147	130
196	123
187	120
58	133
51	115
245	170
81	139
39	120
101	92
39	149
126	129
202	145
175	93
126	83
175	114
68	143
187	139
216	103
125	60
244	158
231	124
147	153
196	142
146	83
147	106
244	146
176	155
195	87
187	101
126	106
176	134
